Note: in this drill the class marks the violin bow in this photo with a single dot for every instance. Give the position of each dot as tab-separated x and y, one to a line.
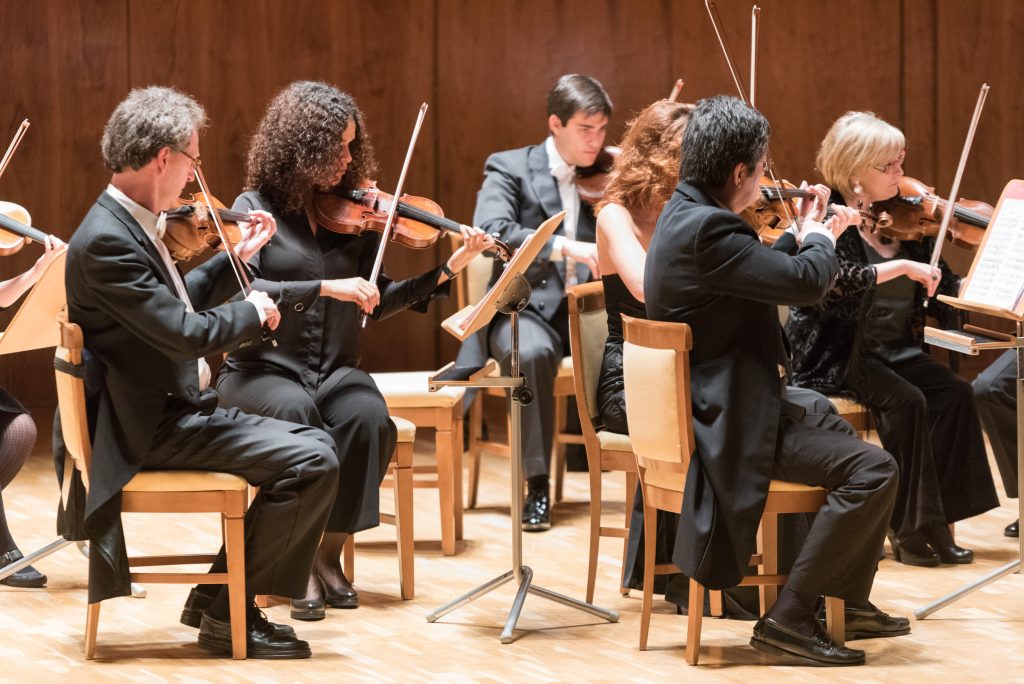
937	249
15	141
393	211
236	261
755	19
677	89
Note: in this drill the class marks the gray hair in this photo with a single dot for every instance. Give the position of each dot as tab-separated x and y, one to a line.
721	133
146	121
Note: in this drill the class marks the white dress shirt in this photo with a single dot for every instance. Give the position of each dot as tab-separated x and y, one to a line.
565	178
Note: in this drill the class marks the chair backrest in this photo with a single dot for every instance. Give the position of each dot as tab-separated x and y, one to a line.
74	422
656	370
588	331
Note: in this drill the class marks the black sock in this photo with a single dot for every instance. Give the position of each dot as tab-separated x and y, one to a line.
795	610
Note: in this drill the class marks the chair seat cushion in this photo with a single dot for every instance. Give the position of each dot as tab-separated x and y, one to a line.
565	367
410	390
406	429
185	481
846	405
613	441
781	486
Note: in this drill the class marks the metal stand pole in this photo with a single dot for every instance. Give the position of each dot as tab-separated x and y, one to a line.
138	591
1015	566
511	303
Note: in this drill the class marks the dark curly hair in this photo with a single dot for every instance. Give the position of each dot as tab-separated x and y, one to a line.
297	144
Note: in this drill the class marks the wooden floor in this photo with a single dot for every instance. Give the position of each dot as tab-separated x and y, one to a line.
387	640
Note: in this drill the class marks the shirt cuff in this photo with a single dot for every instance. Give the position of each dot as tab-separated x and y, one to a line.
261	313
556	248
812	227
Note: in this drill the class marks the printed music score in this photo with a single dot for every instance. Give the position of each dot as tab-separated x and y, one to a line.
998	275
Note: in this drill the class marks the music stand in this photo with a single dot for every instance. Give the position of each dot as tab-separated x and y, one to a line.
34	326
509	295
994	286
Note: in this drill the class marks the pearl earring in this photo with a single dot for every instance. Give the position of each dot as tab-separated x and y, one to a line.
858	188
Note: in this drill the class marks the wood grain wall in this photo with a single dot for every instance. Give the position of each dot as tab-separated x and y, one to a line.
484	66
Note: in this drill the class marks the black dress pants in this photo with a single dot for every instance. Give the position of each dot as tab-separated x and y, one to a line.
295	468
995	390
350	408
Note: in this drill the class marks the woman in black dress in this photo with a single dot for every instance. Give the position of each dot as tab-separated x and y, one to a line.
866	338
312	138
17	429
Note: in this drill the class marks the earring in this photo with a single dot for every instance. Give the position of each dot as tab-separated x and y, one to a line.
858	188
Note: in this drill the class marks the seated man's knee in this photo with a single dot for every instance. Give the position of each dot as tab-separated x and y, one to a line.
878	469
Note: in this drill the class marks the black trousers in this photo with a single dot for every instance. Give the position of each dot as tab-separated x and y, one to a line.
295	468
927	420
995	390
350	408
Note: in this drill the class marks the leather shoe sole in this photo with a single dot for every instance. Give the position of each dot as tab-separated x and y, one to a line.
310	611
777	639
215	636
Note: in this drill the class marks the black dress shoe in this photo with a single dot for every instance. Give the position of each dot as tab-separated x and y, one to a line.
197	602
1012	530
914	550
342	596
778	639
941	539
309	610
26	578
869	623
537	511
261	639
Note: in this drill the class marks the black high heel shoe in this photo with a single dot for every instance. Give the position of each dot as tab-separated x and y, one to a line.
914	550
310	609
345	596
941	540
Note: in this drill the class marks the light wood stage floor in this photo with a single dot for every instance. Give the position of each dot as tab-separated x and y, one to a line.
387	639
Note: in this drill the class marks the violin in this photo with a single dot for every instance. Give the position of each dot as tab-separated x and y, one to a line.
15	229
592	180
775	210
419	224
917	212
191	231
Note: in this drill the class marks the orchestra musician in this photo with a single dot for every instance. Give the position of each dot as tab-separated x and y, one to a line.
17	429
866	338
521	189
706	267
150	328
313	138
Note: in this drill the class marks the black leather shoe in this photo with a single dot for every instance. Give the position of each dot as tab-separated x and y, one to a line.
914	550
778	639
261	639
941	539
869	623
26	578
197	602
1012	530
537	511
342	596
308	609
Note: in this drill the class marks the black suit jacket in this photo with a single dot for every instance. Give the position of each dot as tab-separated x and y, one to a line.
706	267
147	343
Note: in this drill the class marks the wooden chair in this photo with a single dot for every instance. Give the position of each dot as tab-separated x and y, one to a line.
470	288
176	492
409	398
656	366
400	478
606	450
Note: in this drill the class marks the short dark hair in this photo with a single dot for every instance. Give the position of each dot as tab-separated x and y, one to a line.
721	133
578	93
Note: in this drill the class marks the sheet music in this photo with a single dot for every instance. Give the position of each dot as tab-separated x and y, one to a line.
998	276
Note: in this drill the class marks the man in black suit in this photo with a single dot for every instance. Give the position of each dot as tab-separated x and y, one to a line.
706	267
149	328
523	188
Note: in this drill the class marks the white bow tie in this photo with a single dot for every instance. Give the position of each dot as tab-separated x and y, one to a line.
564	174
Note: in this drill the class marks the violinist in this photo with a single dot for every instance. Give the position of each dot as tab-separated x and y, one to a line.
521	189
17	429
149	328
311	139
866	338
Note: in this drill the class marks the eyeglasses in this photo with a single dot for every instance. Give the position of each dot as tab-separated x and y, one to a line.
196	161
892	166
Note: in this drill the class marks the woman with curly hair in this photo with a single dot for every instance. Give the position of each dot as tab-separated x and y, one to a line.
313	138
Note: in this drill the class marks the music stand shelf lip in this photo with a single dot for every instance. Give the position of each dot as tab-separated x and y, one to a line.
965	342
483	376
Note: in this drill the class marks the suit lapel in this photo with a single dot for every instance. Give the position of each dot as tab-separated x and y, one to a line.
136	231
543	183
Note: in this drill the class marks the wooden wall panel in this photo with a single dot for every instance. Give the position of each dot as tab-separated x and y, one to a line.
64	68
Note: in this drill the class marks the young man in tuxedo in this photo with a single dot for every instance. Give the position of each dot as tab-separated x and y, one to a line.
522	188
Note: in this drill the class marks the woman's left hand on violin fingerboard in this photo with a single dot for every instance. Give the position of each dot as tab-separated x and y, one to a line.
474	242
255	234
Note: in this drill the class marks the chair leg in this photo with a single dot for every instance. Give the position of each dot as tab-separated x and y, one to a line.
594	473
630	501
349	558
403	487
835	619
717	610
558	446
476	416
446	488
234	547
769	535
693	621
457	447
92	624
648	595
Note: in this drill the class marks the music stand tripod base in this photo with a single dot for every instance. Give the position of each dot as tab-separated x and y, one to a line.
512	301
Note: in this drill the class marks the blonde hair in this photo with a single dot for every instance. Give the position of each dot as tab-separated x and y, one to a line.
856	141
